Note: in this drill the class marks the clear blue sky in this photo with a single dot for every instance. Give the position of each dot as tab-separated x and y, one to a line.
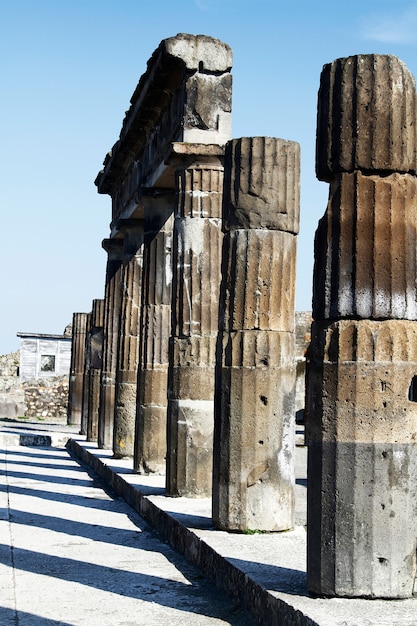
68	70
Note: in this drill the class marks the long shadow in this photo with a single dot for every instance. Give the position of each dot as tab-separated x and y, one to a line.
36	453
116	581
51	465
10	616
78	500
301	481
274	577
45	478
99	534
196	597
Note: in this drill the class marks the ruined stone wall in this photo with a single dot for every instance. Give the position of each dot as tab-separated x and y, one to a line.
46	398
12	401
9	366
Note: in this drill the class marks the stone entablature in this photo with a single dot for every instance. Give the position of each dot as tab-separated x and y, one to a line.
184	96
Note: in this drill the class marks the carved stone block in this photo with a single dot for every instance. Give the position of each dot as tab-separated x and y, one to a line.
366	249
262	184
362	492
367	116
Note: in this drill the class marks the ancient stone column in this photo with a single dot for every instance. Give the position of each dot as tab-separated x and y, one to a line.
254	479
95	362
86	377
195	295
128	347
112	299
151	417
75	395
362	369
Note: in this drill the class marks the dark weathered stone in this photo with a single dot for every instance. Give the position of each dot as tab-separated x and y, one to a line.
362	491
75	395
128	347
366	249
150	434
196	282
253	478
94	364
112	299
262	184
367	116
362	365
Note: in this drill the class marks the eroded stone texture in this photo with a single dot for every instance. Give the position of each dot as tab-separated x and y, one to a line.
262	168
366	249
362	369
184	96
94	358
151	415
128	347
253	481
86	377
179	119
76	379
362	463
367	116
196	282
112	300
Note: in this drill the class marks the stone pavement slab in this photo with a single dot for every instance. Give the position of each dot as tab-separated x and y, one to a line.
265	571
73	555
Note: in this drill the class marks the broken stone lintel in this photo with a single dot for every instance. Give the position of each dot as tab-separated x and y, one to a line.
160	109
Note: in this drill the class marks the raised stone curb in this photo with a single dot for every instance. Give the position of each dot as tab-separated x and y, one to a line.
266	572
55	440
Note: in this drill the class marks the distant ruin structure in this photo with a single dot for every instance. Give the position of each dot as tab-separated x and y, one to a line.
77	368
362	369
43	355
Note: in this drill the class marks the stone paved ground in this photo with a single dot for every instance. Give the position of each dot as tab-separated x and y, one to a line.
72	555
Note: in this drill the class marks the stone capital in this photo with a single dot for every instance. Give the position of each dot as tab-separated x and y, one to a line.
114	248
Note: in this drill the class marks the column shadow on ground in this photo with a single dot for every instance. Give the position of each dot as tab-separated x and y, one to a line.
91	502
146	587
10	616
193	595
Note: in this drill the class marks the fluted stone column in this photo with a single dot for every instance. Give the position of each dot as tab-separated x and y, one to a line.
362	373
151	418
86	377
195	294
75	394
253	482
128	348
95	358
112	299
